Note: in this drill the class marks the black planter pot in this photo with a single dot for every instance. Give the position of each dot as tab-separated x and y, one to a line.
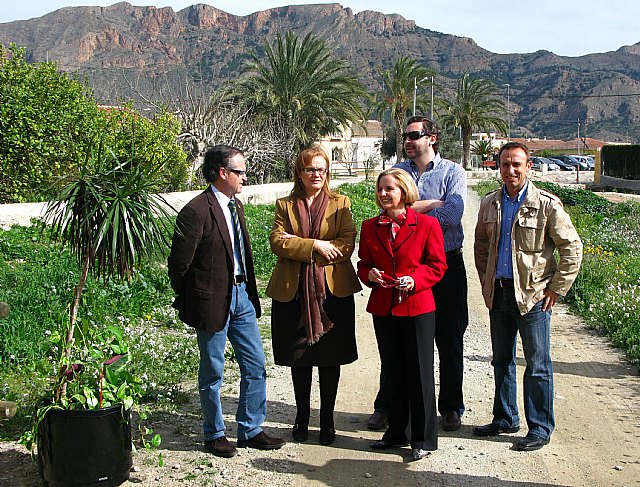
85	447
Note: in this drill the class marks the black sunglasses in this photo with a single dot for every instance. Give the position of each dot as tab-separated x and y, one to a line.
415	135
239	172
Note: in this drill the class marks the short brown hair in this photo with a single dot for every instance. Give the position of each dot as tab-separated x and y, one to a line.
511	146
218	157
405	182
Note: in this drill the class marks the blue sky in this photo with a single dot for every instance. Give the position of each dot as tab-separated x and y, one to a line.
565	27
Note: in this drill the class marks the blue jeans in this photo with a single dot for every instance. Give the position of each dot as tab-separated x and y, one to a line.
534	329
242	330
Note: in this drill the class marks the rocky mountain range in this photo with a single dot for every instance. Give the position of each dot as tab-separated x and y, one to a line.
121	45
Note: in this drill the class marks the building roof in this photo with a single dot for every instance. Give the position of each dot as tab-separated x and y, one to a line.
373	129
536	145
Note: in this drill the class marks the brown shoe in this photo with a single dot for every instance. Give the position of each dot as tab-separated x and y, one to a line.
220	447
262	441
377	421
451	421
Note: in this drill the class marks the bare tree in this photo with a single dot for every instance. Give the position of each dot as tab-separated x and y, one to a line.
209	117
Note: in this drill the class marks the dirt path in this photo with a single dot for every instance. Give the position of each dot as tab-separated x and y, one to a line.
596	443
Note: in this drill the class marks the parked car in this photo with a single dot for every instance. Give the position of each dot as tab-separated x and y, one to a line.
537	161
574	162
592	162
563	165
588	160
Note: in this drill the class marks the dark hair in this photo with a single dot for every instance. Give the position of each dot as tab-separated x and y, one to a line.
218	157
511	146
429	127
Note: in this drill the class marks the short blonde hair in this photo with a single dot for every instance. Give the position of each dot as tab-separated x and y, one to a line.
405	182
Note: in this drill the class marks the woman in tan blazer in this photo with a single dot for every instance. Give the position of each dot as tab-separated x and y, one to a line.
312	287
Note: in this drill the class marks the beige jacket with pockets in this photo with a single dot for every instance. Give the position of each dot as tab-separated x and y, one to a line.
540	228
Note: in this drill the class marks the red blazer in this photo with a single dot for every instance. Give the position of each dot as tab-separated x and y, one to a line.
417	251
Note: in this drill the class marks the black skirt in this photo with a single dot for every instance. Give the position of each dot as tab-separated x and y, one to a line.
336	347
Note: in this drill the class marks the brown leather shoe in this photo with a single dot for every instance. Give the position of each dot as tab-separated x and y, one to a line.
451	421
377	421
262	441
220	447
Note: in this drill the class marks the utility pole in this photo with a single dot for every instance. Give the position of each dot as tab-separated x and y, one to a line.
415	93
508	111
431	113
578	167
578	135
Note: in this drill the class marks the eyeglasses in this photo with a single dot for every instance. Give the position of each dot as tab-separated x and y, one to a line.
415	135
311	170
237	171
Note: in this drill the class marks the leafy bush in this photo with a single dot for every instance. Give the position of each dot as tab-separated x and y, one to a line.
48	118
259	220
580	198
125	128
486	186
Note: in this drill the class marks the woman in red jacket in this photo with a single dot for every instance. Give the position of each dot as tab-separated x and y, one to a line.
401	258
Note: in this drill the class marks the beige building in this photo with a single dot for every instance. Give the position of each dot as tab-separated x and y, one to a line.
352	148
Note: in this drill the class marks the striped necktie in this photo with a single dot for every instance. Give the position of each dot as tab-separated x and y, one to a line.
237	231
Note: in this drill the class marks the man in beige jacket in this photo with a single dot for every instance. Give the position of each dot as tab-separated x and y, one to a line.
519	228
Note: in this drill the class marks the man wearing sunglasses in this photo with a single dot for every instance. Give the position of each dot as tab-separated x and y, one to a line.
442	186
211	271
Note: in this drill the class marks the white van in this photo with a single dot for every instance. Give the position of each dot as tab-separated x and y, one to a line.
588	160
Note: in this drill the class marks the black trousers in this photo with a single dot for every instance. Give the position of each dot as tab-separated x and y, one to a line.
406	353
452	319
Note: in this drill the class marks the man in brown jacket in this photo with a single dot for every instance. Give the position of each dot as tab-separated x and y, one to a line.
211	271
519	228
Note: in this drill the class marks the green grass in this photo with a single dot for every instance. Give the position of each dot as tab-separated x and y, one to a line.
363	200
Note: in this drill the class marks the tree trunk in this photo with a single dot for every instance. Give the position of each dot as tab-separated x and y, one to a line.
466	147
399	142
61	388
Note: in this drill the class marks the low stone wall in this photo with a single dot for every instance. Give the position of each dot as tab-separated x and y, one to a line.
619	183
22	213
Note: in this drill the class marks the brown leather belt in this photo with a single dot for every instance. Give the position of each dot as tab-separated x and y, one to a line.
239	279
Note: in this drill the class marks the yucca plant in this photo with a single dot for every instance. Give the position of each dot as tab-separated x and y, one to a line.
109	220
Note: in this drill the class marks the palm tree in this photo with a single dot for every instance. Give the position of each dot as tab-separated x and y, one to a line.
303	84
474	106
398	84
483	149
